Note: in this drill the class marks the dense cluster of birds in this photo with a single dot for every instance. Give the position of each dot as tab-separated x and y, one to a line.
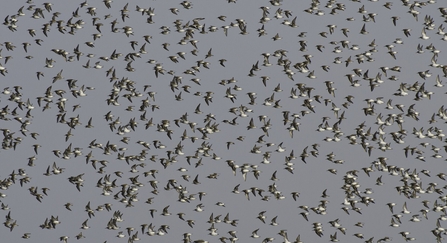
223	121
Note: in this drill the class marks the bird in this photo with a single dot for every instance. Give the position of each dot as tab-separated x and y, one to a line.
254	234
261	216
165	211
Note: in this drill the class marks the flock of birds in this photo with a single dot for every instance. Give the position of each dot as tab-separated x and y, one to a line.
329	121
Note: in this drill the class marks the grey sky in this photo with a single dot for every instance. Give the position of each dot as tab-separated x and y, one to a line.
310	179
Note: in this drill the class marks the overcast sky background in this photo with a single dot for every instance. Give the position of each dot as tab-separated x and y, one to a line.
241	52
